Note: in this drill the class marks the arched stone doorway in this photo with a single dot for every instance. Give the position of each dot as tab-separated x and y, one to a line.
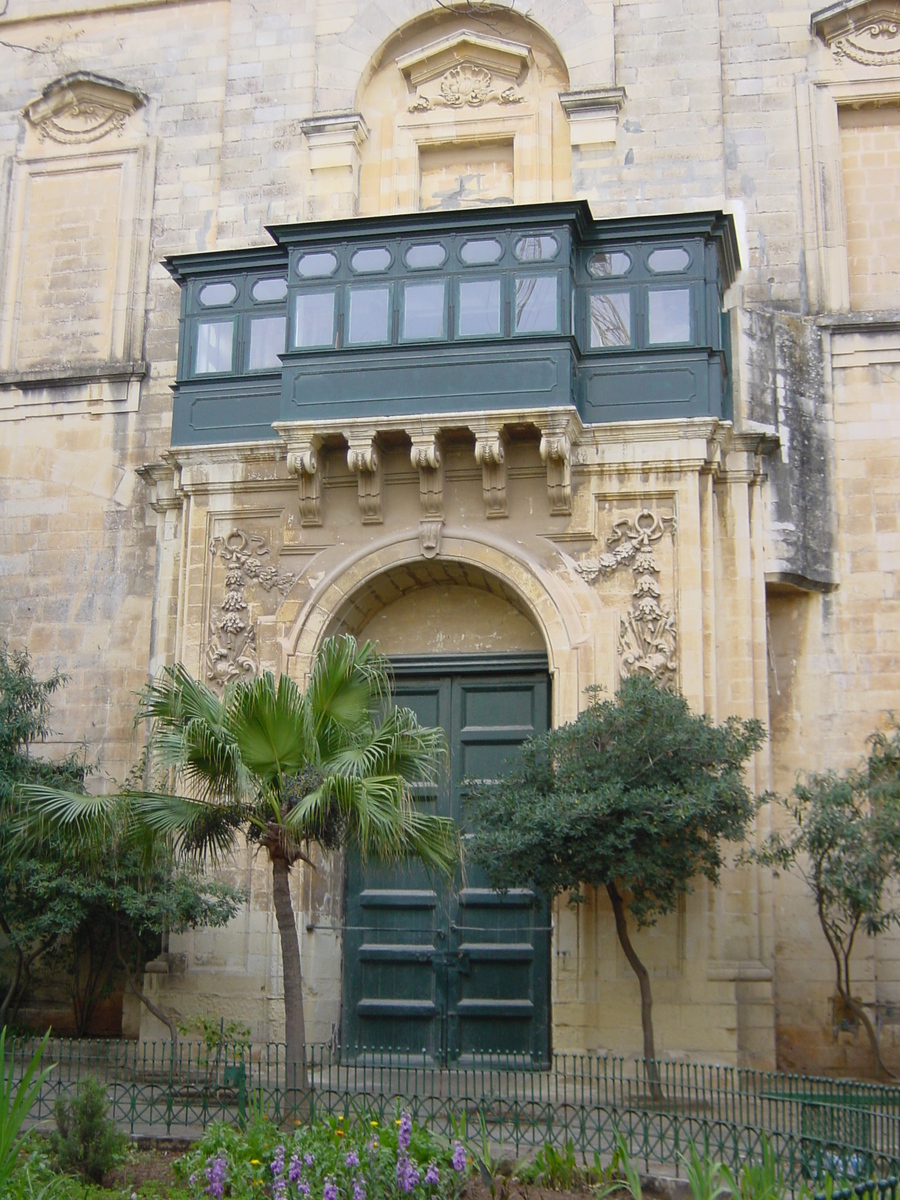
451	971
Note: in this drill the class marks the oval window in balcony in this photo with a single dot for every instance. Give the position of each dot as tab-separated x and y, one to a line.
610	264
668	260
268	291
536	247
215	294
479	251
371	258
425	255
314	266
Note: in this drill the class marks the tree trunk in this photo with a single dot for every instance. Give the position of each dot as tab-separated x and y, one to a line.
294	1029
166	1018
650	1064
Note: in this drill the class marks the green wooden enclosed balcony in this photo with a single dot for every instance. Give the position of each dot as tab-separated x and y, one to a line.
536	306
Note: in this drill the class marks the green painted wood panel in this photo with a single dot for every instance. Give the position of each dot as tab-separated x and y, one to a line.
452	971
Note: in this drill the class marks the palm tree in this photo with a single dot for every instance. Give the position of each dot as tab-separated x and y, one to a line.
333	765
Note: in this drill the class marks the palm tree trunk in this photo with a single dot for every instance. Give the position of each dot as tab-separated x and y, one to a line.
294	1029
643	976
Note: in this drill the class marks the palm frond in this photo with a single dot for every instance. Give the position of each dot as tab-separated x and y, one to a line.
267	721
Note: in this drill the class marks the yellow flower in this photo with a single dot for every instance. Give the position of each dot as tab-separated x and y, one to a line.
374	1124
397	1122
339	1133
341	1117
254	1162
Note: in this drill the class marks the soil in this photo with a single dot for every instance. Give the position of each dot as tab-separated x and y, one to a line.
146	1167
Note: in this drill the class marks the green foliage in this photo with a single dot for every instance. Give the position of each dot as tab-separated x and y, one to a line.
844	842
552	1168
239	1164
16	1098
85	1141
707	1178
761	1179
625	1175
638	791
219	1036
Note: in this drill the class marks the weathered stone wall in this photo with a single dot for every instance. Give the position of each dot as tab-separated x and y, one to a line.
226	116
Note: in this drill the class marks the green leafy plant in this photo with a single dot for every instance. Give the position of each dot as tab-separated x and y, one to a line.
706	1178
759	1179
624	1174
16	1100
552	1168
85	1140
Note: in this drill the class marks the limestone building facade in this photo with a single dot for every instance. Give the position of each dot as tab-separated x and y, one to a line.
542	342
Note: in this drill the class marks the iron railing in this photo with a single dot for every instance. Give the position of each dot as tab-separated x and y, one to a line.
816	1126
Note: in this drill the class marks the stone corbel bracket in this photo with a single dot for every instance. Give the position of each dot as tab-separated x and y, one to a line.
558	437
425	456
303	461
490	455
364	460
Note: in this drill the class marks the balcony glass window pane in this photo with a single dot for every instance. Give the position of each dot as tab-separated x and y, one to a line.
479	307
536	304
423	310
314	319
429	254
537	247
214	342
310	266
610	319
215	294
267	291
606	265
674	258
266	343
670	315
484	250
373	258
369	312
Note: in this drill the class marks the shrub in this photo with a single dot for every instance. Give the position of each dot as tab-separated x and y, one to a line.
85	1140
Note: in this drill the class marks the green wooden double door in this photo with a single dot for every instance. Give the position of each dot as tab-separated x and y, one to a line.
453	970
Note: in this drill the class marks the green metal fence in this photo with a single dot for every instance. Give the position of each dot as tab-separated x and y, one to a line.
816	1126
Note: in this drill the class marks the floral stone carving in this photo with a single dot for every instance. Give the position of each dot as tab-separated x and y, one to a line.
466	86
648	638
232	652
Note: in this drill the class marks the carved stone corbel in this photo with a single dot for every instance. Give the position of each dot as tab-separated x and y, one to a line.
556	454
303	461
364	459
490	454
425	457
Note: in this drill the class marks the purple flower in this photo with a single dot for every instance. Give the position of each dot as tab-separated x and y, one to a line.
359	1189
309	1158
279	1189
330	1192
352	1159
295	1169
215	1171
303	1187
192	1179
433	1175
407	1175
459	1158
404	1132
277	1167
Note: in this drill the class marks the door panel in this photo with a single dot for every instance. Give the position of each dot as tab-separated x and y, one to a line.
446	970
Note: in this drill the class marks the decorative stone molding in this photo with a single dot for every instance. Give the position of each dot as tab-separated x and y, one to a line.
466	64
231	652
430	538
556	448
425	456
648	638
867	32
490	454
364	459
593	114
303	461
82	108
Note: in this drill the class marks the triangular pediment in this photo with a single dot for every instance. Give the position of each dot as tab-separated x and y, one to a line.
82	108
866	31
464	48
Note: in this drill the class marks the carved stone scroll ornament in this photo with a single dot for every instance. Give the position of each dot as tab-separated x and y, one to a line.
364	459
82	108
303	461
490	454
556	452
875	45
466	86
232	652
648	639
865	31
425	456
